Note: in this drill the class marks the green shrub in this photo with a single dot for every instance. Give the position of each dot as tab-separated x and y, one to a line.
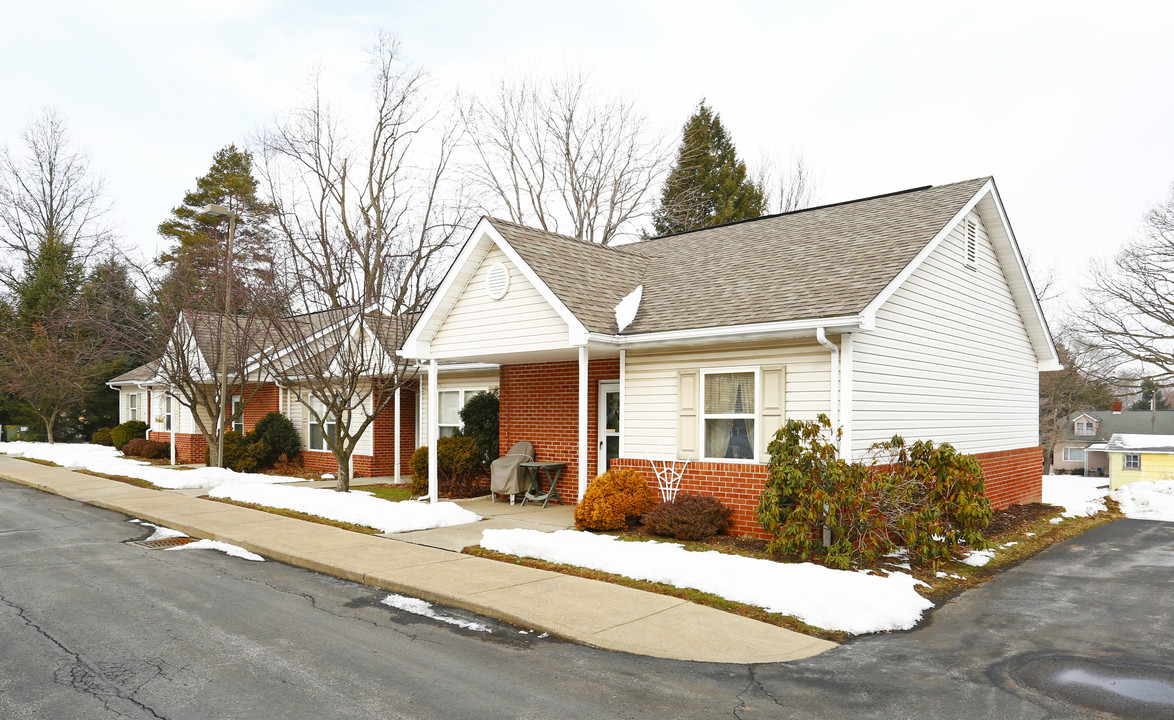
924	497
279	433
479	417
236	450
102	436
614	500
458	469
419	467
128	431
689	517
134	447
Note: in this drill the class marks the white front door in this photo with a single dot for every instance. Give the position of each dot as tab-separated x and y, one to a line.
609	424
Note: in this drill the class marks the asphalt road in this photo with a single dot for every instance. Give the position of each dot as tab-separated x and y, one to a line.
93	627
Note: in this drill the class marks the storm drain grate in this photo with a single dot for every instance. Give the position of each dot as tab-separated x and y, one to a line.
164	543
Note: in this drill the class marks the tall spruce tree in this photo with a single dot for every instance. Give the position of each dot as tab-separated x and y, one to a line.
195	265
708	185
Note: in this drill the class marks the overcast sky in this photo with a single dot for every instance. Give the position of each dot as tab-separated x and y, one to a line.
1066	104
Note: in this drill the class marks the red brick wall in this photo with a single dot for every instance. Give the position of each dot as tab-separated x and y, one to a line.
323	461
257	404
189	447
384	434
540	403
1012	477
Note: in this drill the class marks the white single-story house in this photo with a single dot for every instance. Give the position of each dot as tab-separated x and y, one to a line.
910	313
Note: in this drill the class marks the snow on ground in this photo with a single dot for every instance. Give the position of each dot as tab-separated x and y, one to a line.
360	508
233	550
423	607
1147	500
108	461
161	533
1079	496
978	558
854	602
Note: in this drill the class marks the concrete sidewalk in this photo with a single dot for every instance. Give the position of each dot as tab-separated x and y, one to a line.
594	613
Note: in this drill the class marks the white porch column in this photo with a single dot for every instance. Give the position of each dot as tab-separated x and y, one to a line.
433	430
397	434
846	395
583	450
173	423
623	394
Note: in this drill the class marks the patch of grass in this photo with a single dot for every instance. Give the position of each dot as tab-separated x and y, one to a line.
137	482
387	491
47	463
299	516
696	596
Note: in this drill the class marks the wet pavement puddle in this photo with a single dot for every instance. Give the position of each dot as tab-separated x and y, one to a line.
1126	689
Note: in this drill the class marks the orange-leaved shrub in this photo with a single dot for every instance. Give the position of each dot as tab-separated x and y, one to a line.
614	500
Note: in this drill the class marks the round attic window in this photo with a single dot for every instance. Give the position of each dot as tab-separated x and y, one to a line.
497	282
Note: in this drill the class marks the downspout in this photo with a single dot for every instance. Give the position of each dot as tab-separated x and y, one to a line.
834	391
174	422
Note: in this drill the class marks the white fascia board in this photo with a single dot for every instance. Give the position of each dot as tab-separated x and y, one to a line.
459	366
1049	360
416	344
792	328
887	292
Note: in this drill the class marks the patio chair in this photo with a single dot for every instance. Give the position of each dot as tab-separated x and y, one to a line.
505	475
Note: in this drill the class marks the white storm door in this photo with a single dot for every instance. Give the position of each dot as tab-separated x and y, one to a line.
609	425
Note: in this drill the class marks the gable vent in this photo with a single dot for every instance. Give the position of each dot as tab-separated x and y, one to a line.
497	281
971	247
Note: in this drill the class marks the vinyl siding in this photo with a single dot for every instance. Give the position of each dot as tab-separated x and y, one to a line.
1154	467
452	380
650	388
950	359
519	322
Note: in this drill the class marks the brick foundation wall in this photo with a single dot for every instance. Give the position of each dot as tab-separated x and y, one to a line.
1012	477
189	447
324	462
540	403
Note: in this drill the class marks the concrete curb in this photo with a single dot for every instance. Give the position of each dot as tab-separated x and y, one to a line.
598	614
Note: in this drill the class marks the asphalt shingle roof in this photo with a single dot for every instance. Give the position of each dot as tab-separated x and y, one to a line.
1129	422
821	262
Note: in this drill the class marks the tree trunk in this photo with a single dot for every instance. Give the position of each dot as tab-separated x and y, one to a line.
213	450
344	473
49	422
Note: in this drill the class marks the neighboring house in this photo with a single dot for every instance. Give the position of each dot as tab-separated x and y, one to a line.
1137	458
1082	446
910	313
146	396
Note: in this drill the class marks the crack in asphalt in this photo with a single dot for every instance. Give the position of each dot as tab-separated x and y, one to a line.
752	684
83	675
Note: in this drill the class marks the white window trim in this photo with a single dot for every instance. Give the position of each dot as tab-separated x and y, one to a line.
462	398
168	412
1089	428
756	416
1070	450
311	422
1137	462
232	409
132	407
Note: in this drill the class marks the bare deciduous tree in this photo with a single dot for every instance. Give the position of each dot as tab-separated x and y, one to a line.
793	185
553	153
363	224
47	192
1128	314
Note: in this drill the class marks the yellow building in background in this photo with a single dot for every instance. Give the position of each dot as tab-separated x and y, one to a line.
1140	458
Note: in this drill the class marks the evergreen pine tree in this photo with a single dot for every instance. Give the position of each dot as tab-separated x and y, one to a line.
195	264
708	185
50	283
1147	396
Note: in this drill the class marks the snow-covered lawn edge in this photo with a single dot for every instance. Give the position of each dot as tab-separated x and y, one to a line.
852	602
1079	496
1146	500
108	461
356	507
417	606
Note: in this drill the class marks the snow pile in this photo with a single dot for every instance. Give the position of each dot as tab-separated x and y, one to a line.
627	308
161	533
1147	500
359	508
978	558
1079	496
854	602
423	607
108	461
233	550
